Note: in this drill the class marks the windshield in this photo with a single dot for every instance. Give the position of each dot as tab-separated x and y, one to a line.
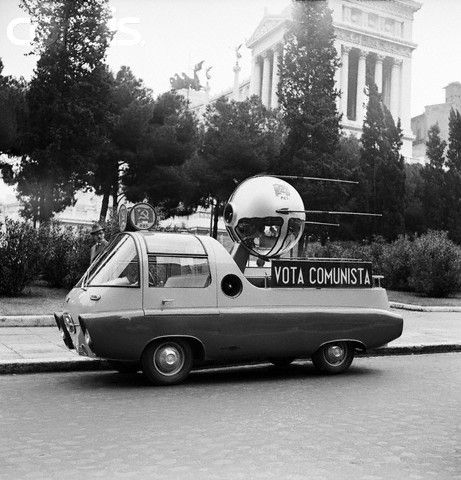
118	266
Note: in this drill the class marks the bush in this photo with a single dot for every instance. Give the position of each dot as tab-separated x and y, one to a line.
396	263
435	265
77	258
19	254
56	241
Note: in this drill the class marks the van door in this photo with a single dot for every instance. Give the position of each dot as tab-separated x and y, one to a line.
180	296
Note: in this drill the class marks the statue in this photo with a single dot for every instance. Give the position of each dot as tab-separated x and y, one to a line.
186	82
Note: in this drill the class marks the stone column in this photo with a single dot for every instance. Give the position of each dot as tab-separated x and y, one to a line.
379	72
338	75
255	81
265	91
361	97
405	96
344	78
275	76
395	88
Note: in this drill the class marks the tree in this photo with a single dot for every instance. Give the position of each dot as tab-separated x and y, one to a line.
415	220
169	138
67	100
382	170
130	108
433	194
14	113
308	98
453	176
240	139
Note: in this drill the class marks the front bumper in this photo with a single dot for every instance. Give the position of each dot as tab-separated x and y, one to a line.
59	319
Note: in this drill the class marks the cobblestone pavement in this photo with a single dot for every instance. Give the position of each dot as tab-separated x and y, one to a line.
387	418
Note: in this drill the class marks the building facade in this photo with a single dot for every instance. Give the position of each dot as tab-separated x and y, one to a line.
373	38
439	113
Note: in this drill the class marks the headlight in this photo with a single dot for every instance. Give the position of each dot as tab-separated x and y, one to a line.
69	323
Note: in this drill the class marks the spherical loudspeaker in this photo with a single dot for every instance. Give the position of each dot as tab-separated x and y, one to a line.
252	216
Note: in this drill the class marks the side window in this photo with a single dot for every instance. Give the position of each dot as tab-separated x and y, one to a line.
118	266
178	272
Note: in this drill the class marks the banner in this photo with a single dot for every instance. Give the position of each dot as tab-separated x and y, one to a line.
321	274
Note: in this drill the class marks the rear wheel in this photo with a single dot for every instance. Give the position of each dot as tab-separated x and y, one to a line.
333	357
167	361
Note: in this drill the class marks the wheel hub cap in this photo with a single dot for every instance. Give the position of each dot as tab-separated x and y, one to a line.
168	360
335	354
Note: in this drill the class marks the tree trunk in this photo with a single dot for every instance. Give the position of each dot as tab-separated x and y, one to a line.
215	219
105	205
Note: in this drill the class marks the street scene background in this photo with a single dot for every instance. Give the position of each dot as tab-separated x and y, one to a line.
105	103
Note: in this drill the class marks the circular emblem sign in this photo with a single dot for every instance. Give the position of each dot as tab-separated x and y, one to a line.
122	217
143	216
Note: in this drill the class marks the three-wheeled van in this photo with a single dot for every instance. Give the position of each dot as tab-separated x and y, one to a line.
164	302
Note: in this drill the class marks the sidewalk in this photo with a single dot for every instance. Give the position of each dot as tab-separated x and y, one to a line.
41	349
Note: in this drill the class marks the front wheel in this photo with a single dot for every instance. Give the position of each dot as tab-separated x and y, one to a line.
167	362
333	357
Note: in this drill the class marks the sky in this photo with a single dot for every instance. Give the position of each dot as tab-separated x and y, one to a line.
158	38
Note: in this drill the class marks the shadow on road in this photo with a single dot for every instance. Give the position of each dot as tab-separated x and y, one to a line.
215	376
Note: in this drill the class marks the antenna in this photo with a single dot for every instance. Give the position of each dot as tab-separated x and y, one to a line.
286	211
323	223
319	179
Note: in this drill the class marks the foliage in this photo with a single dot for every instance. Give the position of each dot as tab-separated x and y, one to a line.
19	255
383	175
240	139
64	251
170	138
435	265
396	263
433	195
55	241
453	177
14	113
367	251
415	219
129	111
66	101
308	97
77	258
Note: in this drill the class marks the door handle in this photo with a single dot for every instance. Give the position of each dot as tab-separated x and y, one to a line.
95	297
167	300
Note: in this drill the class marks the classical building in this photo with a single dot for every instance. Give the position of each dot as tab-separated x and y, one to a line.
372	38
439	113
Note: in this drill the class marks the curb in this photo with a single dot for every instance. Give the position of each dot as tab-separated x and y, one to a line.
85	365
27	321
423	308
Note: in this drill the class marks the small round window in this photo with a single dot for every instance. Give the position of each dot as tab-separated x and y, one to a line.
231	285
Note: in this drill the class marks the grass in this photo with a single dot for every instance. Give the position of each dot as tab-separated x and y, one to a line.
415	299
36	299
39	299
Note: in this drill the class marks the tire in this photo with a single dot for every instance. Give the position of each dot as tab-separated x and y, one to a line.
125	367
281	362
333	357
167	362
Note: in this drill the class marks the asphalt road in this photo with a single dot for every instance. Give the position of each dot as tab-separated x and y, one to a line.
387	418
